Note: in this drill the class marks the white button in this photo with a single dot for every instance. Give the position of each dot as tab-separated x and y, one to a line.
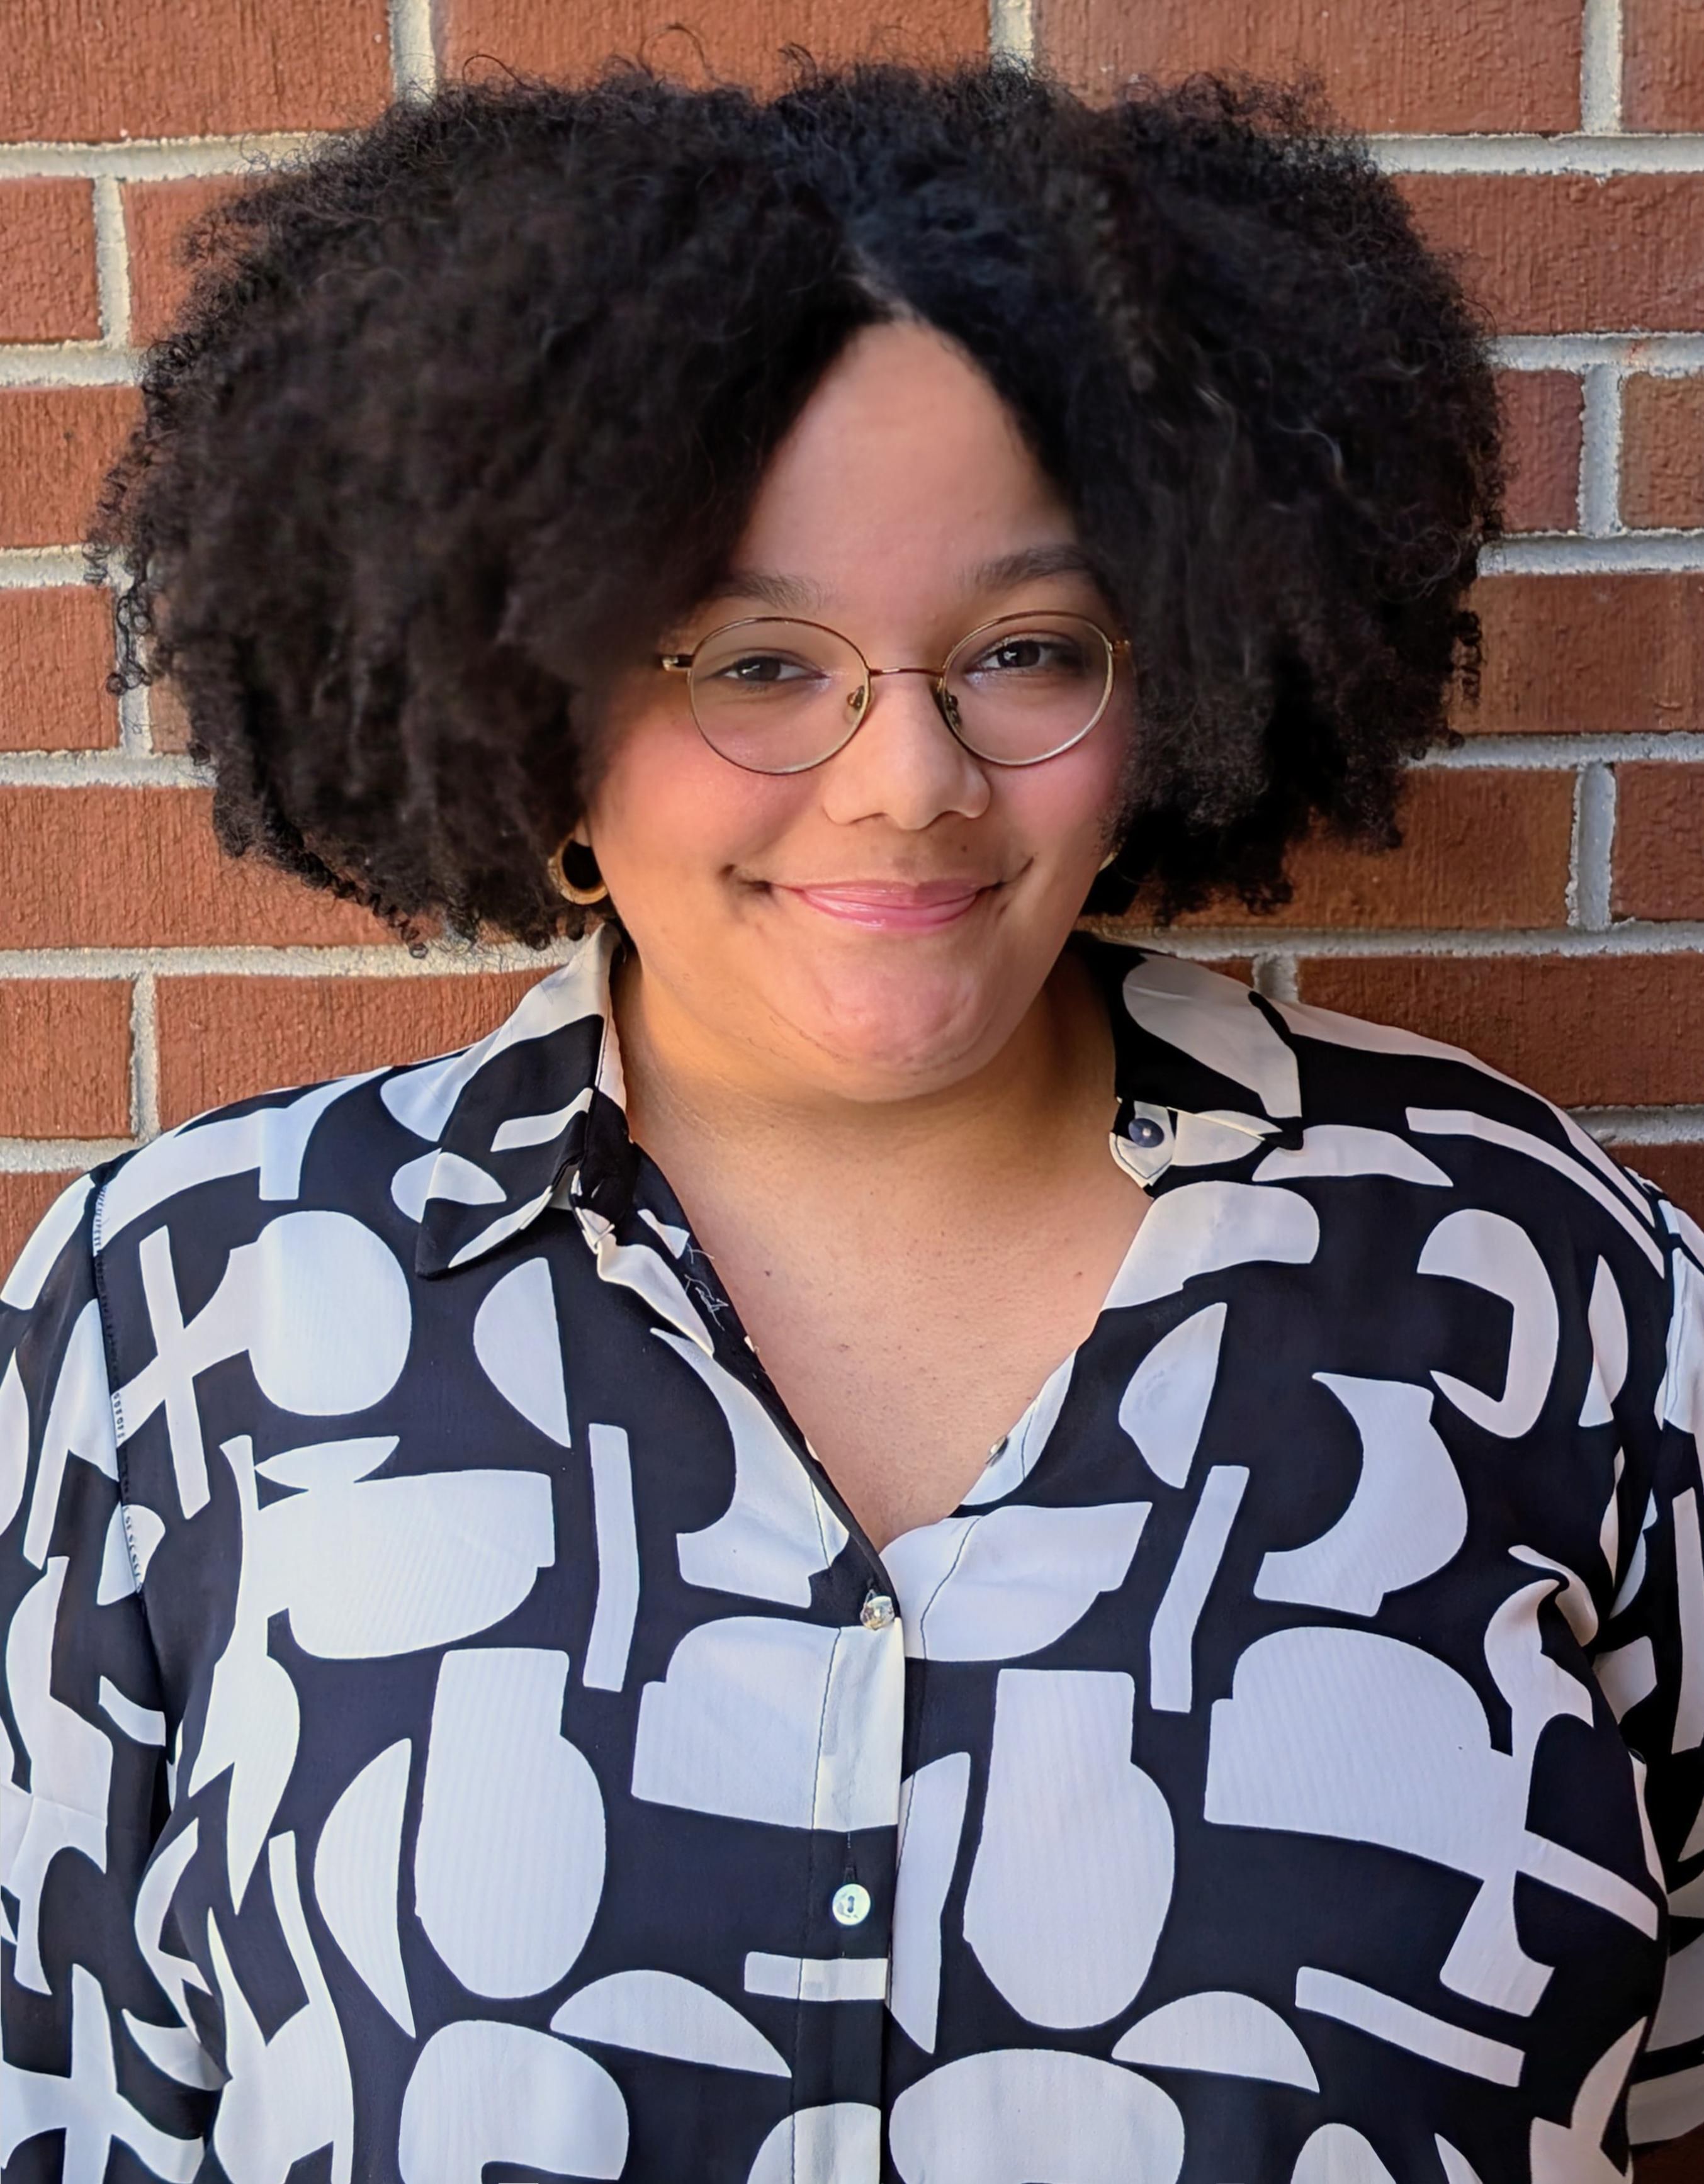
876	1612
851	1904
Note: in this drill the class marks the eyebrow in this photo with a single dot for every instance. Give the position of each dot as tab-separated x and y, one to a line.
800	595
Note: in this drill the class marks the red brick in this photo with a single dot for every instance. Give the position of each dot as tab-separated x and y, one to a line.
47	260
1482	848
1678	1171
729	38
56	444
1663	87
92	69
24	1199
1401	64
1659	841
1614	1031
139	868
1662	452
223	1039
64	1057
156	216
1590	655
56	651
1551	253
1541	437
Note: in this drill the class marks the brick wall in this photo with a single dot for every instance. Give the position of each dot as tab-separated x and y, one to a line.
1548	909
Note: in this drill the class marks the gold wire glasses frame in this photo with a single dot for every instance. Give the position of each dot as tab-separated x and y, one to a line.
752	721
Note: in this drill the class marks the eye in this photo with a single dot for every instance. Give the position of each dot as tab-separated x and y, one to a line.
759	671
1030	651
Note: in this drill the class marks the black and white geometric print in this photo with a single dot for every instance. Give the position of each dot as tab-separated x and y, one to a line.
452	1727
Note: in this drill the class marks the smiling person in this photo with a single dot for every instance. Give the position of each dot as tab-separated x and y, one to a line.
882	1539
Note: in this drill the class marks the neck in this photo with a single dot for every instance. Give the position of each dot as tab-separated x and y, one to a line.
697	1102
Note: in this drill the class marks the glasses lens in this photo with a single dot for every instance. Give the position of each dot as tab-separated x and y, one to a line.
1028	687
777	696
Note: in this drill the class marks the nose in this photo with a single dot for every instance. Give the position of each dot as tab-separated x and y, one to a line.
903	765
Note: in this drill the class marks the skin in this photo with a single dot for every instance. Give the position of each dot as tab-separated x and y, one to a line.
928	1084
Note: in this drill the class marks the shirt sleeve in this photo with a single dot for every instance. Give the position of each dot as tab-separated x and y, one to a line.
95	2050
1651	1663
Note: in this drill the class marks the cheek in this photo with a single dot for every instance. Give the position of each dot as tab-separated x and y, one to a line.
667	809
1067	803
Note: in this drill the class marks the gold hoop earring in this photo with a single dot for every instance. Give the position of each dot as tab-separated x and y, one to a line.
1111	858
585	891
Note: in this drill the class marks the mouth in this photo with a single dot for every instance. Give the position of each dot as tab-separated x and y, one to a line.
892	905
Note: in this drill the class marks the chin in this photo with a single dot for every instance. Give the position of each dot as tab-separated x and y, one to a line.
893	1031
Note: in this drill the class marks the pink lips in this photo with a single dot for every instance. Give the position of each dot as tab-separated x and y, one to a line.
892	905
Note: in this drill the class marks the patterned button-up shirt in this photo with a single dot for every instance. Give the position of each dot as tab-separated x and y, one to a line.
454	1728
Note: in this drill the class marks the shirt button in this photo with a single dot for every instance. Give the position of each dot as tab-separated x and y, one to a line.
876	1614
851	1904
1145	1132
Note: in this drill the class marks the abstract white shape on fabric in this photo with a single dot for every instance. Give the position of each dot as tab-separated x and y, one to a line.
815	1979
1456	1121
508	1860
1572	2152
1354	1735
70	1772
833	2144
1626	1674
1457	2169
29	1270
442	1175
88	2105
1666	2107
1217	1022
1165	1406
273	1139
777	1532
642	1268
483	2092
605	1667
80	1423
15	1443
1171	1641
1023	1448
319	1304
1010	1580
254	1718
1337	2153
368	1567
1387	2017
160	1877
1204	1228
1072	1878
1349	1149
518	1341
1406	1519
1606	1318
356	1868
1689	1603
522	1130
932	1819
759	1718
1493	1254
1232	2036
661	2013
133	1529
1035	2115
141	1725
291	2095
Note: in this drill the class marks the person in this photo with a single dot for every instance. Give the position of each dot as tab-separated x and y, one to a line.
888	1536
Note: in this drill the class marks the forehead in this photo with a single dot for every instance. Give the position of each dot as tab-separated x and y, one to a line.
795	593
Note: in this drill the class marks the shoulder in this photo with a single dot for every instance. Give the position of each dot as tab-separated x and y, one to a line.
1339	1097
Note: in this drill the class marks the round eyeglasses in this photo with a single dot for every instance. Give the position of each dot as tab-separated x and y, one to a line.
779	696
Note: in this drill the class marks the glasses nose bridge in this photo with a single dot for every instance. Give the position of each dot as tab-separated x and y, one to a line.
937	690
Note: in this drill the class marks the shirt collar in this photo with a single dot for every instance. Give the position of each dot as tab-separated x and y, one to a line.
534	1114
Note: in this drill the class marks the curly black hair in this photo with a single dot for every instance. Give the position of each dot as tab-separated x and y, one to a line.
468	404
